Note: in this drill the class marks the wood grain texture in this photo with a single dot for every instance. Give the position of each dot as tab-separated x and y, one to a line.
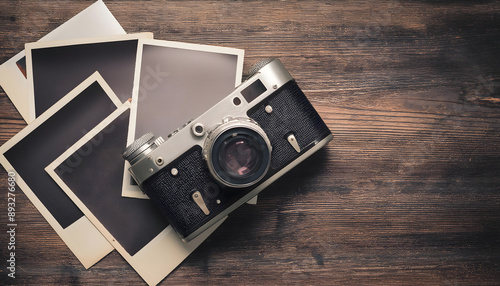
408	193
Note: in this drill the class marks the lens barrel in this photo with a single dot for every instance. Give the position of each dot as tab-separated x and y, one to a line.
238	153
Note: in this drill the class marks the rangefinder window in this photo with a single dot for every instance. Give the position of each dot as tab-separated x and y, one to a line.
253	91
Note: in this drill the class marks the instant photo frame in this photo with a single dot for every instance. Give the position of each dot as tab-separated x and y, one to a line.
90	172
55	67
176	82
94	21
38	144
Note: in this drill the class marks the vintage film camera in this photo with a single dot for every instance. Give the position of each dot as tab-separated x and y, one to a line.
217	162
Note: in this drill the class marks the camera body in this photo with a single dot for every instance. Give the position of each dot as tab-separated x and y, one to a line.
215	163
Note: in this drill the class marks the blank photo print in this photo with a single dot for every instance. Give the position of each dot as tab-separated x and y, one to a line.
41	142
95	21
91	173
54	68
177	82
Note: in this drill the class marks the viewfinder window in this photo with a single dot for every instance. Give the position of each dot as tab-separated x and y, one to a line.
253	91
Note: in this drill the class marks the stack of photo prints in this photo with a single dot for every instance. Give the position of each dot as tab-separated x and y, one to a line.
87	90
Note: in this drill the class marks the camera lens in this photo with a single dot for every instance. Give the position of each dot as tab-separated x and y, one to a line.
240	157
239	154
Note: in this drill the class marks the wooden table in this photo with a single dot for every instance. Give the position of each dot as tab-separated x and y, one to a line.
408	193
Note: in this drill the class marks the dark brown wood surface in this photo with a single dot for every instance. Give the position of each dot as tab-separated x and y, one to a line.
408	193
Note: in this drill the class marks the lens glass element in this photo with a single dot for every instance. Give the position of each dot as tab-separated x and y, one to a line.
240	156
